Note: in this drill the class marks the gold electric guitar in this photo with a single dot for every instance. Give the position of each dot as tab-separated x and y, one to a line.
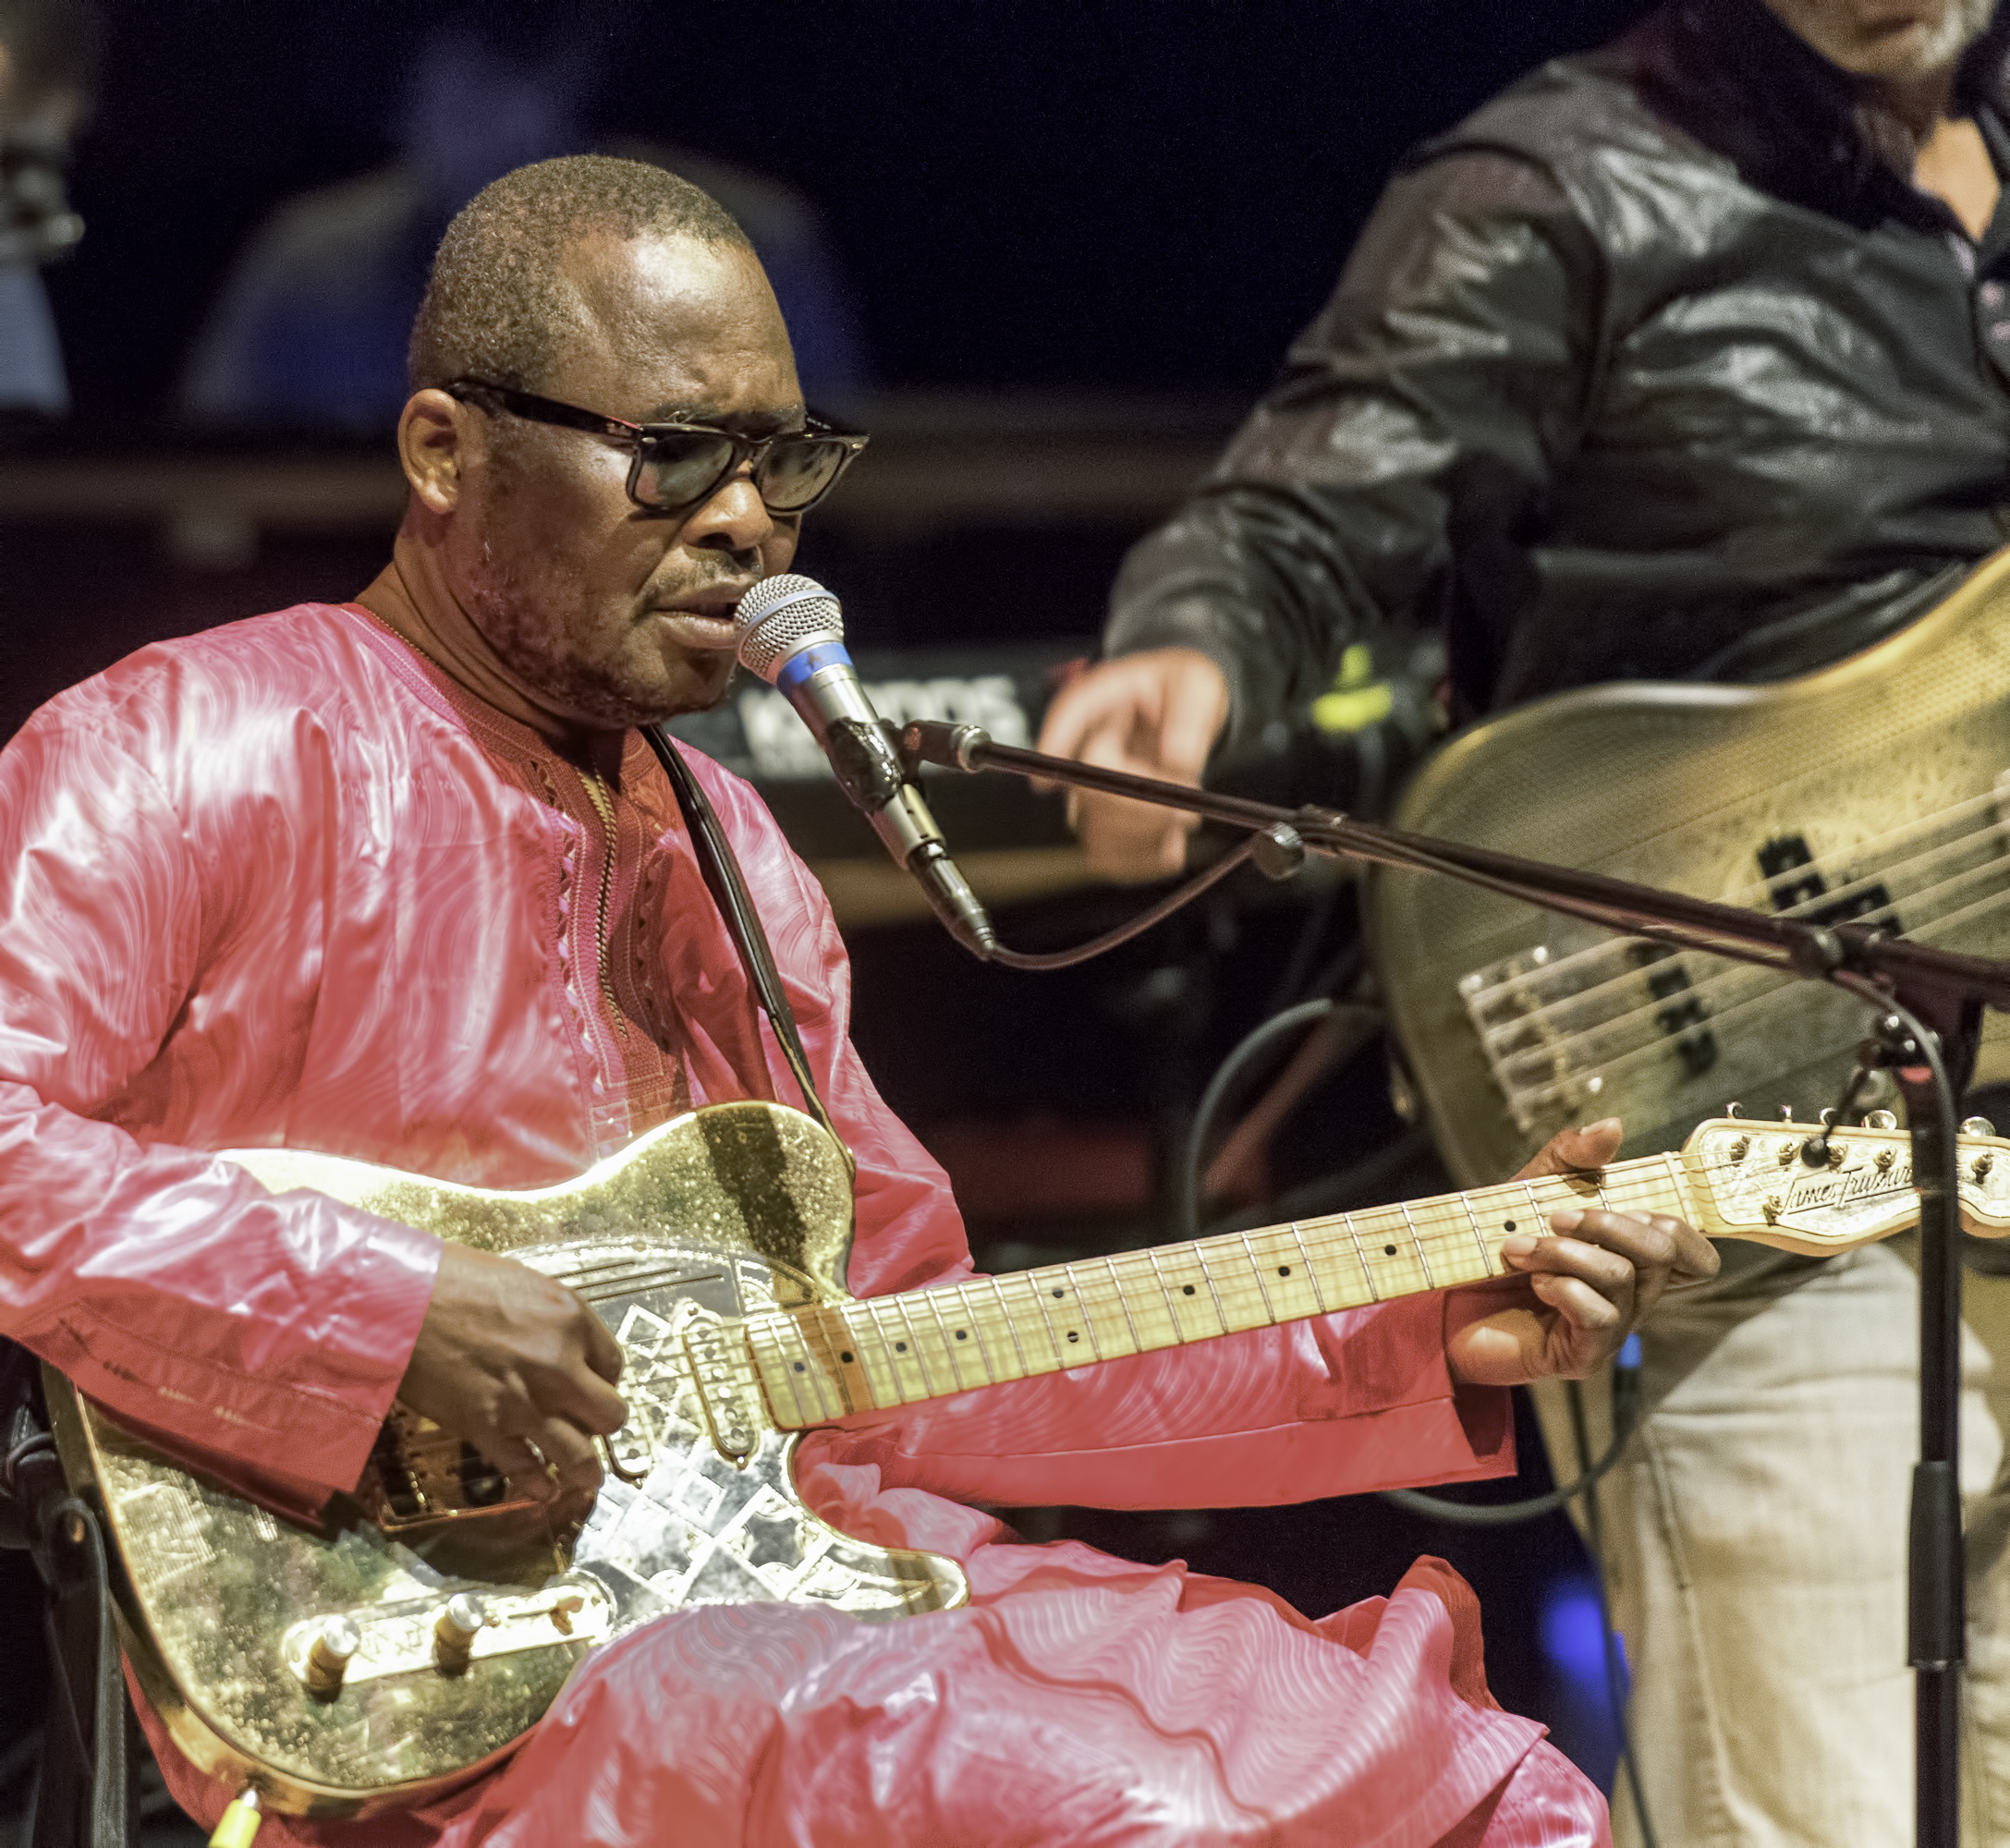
1877	789
421	1626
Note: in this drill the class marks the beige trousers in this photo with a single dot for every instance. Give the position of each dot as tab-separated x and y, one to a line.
1755	1543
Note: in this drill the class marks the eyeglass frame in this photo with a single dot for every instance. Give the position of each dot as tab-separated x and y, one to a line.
747	450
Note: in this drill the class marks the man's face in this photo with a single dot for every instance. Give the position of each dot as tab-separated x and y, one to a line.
1896	39
607	615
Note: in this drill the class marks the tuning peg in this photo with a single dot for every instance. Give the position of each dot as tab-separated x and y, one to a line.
1977	1125
1881	1119
1786	1112
1733	1109
1828	1118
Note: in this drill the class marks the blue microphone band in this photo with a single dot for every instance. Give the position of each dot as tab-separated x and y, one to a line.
799	667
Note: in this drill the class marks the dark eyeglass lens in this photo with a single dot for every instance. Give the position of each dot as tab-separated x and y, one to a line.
794	473
678	470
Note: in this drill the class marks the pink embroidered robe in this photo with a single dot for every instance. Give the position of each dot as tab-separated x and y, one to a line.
280	885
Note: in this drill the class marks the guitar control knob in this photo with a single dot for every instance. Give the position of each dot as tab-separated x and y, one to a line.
1977	1125
459	1623
328	1659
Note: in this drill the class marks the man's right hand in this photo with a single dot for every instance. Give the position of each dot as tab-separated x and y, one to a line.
1152	715
519	1367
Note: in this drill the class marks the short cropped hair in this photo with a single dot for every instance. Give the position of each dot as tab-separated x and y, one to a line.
494	308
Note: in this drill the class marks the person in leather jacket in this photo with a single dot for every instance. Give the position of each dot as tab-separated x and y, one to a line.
1687	359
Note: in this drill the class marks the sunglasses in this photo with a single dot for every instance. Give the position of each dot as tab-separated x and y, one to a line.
674	466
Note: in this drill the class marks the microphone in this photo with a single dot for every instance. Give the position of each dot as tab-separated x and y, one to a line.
792	635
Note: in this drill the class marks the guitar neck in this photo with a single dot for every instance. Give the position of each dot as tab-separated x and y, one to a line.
832	1359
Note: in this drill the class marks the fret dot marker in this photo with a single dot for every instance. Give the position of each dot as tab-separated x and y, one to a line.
1507	1225
845	1358
961	1336
900	1347
1388	1251
1057	1293
1284	1269
1072	1335
1186	1289
800	1367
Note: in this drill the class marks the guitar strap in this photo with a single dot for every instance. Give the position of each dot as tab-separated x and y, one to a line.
728	888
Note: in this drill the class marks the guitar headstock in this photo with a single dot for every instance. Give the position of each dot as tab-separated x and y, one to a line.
1772	1182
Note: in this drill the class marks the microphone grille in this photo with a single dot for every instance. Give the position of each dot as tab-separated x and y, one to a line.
778	615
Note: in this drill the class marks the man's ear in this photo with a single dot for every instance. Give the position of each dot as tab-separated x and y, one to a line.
432	448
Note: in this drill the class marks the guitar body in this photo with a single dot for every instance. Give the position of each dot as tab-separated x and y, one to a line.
1867	790
721	1214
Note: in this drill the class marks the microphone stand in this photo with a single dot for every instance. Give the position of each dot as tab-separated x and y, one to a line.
1929	1007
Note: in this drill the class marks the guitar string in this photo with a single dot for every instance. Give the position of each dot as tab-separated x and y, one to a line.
1549	972
1654	1178
1828	863
1764	986
1763	993
1733	974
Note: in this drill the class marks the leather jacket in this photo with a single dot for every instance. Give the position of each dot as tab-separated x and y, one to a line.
1653	368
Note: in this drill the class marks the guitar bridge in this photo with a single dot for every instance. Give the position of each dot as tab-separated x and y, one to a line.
1513	1008
420	1477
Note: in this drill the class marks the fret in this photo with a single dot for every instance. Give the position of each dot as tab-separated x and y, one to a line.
1004	1310
1416	1240
1087	1320
1183	1301
1036	1295
1147	1301
1123	1302
811	1369
841	1345
764	1336
1200	1250
1360	1251
911	1377
972	1298
1105	1314
955	1335
1479	1237
1255	1270
1288	1286
863	1337
1397	1272
903	1306
1311	1269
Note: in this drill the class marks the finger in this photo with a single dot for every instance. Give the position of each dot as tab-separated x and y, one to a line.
602	1351
1571	1152
582	1398
1581	1305
1611	1272
572	1465
1098	698
1196	705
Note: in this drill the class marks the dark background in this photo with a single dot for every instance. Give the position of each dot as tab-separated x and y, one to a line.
1127	193
1096	202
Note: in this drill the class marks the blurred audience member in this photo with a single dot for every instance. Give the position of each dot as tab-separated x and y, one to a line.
48	63
311	322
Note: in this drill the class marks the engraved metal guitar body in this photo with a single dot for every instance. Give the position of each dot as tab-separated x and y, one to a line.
713	1218
403	1637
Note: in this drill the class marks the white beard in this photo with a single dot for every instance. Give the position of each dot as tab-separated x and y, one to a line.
1960	26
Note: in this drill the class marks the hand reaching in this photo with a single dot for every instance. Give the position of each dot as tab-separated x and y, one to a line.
519	1367
1582	1289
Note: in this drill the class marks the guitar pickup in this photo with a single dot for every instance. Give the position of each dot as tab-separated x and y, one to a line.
445	1635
